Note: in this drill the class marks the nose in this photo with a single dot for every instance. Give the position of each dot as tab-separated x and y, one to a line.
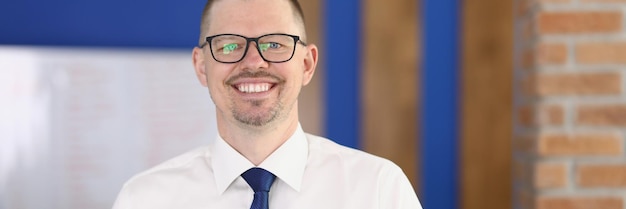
253	59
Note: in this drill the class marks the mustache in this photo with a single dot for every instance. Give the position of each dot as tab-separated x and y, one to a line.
258	74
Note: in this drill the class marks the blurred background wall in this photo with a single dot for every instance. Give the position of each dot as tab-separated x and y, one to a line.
570	58
485	104
77	122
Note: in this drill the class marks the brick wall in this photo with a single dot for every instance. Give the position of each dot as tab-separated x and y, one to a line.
570	104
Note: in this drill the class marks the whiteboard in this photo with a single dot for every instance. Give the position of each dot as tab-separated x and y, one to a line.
76	123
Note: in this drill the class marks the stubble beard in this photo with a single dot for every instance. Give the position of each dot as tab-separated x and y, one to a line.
258	119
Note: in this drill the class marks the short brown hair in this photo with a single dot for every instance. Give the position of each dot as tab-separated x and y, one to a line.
204	22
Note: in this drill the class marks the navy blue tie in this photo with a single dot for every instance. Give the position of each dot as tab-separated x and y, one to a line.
260	180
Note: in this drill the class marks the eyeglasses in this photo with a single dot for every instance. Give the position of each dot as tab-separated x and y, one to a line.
232	48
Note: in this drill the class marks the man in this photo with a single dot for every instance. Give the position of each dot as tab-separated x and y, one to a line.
254	59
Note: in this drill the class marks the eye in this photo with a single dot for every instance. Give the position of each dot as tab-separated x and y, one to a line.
228	48
270	45
275	45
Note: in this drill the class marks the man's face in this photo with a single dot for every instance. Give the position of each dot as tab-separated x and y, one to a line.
253	91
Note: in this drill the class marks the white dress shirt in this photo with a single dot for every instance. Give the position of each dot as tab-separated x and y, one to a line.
311	172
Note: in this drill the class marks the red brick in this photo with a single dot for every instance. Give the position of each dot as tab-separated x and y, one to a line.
579	145
551	53
603	175
551	114
524	7
579	202
579	22
526	116
545	54
603	1
602	115
550	84
601	53
550	175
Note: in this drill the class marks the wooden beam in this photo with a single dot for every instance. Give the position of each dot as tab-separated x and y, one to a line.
389	82
486	130
311	101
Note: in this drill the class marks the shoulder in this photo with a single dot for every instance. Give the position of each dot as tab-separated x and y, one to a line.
157	186
350	168
181	163
329	151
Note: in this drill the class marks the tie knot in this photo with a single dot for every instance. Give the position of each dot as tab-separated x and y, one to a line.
259	179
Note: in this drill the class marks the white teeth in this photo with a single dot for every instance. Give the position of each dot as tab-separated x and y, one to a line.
253	87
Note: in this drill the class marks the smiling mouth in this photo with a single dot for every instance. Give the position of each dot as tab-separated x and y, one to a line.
253	87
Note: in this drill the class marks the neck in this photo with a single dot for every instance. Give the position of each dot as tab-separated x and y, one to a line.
257	143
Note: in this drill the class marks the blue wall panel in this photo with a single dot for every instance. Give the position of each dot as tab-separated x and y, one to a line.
440	129
138	23
341	54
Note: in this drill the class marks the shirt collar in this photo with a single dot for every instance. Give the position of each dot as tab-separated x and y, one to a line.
287	162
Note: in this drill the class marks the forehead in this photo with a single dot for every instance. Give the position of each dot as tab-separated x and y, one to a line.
251	17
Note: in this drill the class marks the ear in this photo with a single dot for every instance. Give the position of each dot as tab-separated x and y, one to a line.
310	62
197	57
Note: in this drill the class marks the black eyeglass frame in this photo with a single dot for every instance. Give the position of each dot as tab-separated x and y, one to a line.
296	39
